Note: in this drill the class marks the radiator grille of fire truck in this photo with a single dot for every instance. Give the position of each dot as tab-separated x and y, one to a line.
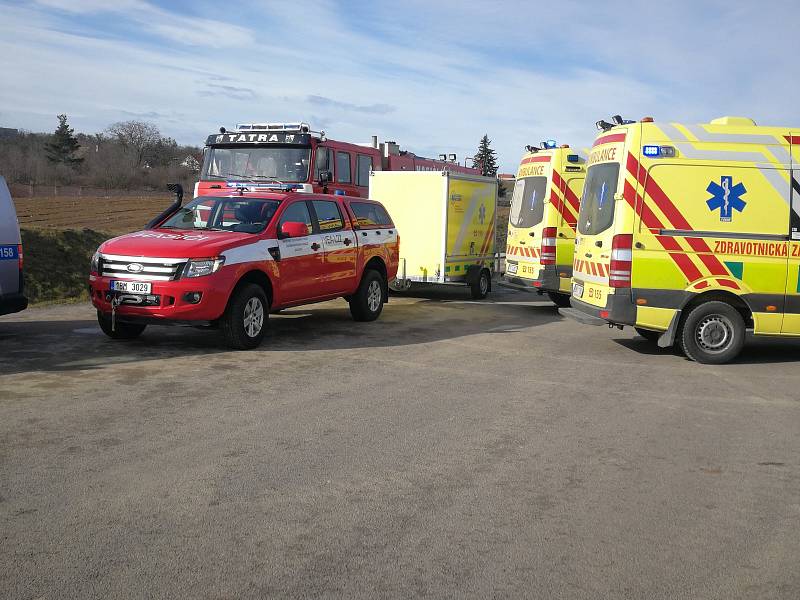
141	268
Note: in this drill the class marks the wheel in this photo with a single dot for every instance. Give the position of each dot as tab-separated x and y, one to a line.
560	300
648	334
480	287
713	333
367	303
245	320
121	331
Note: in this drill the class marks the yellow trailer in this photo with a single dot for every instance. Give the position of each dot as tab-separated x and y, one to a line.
446	223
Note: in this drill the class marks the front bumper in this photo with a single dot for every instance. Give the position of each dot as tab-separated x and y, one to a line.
172	304
12	303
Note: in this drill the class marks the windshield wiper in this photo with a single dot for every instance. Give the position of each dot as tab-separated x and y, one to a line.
253	178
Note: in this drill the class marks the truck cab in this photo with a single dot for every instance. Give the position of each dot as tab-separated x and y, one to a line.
542	220
228	260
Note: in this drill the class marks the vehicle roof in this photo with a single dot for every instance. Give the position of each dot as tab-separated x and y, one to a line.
279	196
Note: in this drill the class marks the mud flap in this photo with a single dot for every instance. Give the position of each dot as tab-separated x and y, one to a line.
667	339
115	302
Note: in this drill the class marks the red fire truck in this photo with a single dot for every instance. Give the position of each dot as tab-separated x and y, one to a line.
270	155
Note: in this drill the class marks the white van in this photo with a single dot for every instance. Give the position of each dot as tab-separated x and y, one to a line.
12	298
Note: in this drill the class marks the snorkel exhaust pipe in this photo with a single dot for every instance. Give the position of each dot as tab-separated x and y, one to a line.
177	189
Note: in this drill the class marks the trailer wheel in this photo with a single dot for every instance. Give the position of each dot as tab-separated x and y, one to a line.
121	331
713	333
559	299
367	303
480	285
649	334
245	320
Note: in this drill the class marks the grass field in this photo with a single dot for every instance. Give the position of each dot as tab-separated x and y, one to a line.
114	215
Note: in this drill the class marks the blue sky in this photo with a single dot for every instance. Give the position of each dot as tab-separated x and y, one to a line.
433	76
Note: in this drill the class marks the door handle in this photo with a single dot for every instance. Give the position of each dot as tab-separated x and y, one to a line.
588	255
639	245
347	241
522	242
599	244
532	234
315	246
364	233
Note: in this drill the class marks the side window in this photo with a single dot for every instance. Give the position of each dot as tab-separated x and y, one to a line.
343	167
370	215
328	216
364	165
297	212
324	161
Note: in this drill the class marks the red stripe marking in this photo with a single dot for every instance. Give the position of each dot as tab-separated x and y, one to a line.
701	285
608	139
592	267
728	283
556	201
533	159
792	139
572	199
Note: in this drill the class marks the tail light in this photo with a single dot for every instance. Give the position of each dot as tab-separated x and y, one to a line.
548	249
19	255
621	255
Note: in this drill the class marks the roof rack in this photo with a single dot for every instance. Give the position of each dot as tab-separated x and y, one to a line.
300	127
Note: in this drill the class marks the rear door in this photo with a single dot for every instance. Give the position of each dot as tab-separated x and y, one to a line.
302	258
596	227
339	246
526	218
9	243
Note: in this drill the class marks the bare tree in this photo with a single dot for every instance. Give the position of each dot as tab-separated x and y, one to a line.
136	137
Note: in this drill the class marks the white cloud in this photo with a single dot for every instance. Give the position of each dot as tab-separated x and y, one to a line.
432	76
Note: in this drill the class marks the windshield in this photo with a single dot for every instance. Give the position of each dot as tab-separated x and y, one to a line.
258	163
527	203
247	215
597	204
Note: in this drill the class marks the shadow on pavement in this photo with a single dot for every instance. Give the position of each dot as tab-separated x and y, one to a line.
55	345
757	350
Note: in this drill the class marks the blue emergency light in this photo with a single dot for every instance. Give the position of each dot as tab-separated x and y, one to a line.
549	144
651	151
573	158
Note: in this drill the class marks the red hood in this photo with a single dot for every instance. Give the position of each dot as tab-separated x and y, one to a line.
171	243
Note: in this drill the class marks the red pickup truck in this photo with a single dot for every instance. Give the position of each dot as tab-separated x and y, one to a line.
227	261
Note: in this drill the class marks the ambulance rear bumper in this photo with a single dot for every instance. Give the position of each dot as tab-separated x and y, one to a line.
619	310
548	280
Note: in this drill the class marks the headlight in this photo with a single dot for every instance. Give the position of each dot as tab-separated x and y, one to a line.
95	268
203	266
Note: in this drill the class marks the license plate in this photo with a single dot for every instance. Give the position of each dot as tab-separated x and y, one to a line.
132	287
577	290
511	267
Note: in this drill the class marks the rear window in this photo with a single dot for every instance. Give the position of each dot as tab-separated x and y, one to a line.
370	215
527	203
597	204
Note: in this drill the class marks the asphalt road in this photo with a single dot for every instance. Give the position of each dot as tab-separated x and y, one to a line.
450	449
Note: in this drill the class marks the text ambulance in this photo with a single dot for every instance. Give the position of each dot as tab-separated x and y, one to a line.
543	218
691	233
266	155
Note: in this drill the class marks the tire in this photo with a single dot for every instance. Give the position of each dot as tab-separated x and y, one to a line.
479	288
367	303
245	320
559	299
121	331
648	334
712	333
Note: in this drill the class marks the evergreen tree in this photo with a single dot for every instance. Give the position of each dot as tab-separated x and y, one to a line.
486	158
62	148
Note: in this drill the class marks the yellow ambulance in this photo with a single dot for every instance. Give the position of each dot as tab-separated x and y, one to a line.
691	233
542	221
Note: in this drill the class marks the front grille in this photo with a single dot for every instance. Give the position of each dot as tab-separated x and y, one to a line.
143	269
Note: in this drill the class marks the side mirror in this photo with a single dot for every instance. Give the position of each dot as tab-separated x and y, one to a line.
325	177
293	229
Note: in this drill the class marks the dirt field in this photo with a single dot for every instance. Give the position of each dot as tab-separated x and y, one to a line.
113	214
